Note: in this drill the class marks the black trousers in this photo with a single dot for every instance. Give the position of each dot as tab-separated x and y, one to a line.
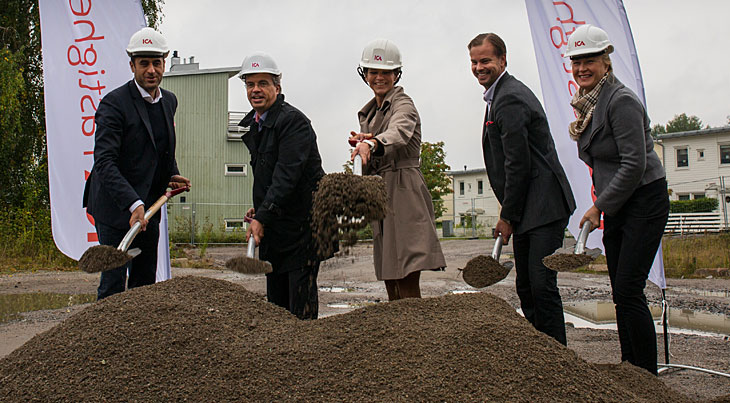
537	286
142	269
295	290
631	239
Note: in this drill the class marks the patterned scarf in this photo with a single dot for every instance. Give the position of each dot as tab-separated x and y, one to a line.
583	104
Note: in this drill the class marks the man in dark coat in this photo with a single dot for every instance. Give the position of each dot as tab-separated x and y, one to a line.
287	167
528	180
134	161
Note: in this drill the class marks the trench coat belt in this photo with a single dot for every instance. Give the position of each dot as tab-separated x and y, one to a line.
400	164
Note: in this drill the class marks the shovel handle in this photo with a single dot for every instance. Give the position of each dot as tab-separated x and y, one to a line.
580	244
129	236
251	249
497	247
357	165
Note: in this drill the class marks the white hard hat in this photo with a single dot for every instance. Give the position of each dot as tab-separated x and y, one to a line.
380	54
588	40
147	42
259	62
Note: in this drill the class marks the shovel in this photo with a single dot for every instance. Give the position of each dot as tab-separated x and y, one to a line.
483	271
249	264
568	259
104	257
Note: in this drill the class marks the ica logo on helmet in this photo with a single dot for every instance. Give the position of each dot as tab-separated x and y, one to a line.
254	64
377	57
147	41
579	43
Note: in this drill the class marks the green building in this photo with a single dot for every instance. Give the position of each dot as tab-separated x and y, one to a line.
210	153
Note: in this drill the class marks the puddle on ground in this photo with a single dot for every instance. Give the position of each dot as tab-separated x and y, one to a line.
351	305
463	291
337	289
602	315
705	293
12	305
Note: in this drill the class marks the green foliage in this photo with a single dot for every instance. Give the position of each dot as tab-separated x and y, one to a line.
685	254
680	123
703	205
433	168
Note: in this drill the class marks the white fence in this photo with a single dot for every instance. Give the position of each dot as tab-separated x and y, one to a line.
684	223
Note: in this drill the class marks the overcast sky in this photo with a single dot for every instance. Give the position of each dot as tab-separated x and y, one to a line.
682	47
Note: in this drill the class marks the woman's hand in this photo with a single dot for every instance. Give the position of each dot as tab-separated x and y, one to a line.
361	147
593	215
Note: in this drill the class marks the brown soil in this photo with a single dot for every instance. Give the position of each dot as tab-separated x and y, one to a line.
565	261
343	204
248	265
101	258
483	271
194	338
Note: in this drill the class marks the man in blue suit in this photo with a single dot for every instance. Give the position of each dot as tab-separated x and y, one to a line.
134	161
527	179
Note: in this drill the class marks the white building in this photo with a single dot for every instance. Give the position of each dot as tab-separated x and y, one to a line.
473	196
697	163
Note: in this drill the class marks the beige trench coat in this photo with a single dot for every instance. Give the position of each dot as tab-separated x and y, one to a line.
405	241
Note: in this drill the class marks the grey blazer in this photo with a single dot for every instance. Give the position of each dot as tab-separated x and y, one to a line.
618	147
521	161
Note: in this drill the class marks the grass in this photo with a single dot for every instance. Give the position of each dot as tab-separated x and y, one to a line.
687	253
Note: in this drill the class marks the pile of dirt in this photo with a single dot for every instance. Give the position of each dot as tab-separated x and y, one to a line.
102	257
200	339
566	261
482	271
344	204
248	265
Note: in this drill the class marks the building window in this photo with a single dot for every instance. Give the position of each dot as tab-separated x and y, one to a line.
233	224
480	187
725	154
461	188
682	157
700	155
683	197
235	170
698	196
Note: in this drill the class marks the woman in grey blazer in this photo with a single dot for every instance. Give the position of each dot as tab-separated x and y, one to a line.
613	136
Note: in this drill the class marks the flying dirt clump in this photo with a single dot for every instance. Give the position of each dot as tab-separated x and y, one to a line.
342	205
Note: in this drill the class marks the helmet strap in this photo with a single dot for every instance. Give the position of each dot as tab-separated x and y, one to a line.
361	72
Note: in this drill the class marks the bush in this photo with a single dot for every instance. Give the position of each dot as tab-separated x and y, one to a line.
704	205
26	242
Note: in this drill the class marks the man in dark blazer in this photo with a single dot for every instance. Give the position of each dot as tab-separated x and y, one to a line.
528	180
134	161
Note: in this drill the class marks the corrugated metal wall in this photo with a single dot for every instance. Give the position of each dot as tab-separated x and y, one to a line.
203	149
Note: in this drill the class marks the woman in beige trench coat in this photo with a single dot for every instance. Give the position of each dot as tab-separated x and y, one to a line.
405	241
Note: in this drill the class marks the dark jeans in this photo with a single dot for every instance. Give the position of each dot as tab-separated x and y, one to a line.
537	286
295	290
631	239
142	268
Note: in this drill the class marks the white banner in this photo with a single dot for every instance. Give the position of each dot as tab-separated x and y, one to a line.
551	22
84	58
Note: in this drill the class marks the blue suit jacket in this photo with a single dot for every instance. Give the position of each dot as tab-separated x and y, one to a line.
125	155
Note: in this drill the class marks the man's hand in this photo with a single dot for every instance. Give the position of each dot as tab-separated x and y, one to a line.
178	181
251	213
593	215
504	229
138	215
255	229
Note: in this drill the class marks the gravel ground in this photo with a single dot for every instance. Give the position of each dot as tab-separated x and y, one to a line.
349	282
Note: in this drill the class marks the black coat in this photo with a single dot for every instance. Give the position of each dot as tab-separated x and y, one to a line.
521	161
125	155
287	168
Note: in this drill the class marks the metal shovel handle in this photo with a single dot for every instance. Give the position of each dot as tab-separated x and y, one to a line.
497	247
580	244
251	249
357	165
132	233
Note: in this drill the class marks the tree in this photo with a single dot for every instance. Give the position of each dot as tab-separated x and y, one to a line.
153	11
433	168
683	123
